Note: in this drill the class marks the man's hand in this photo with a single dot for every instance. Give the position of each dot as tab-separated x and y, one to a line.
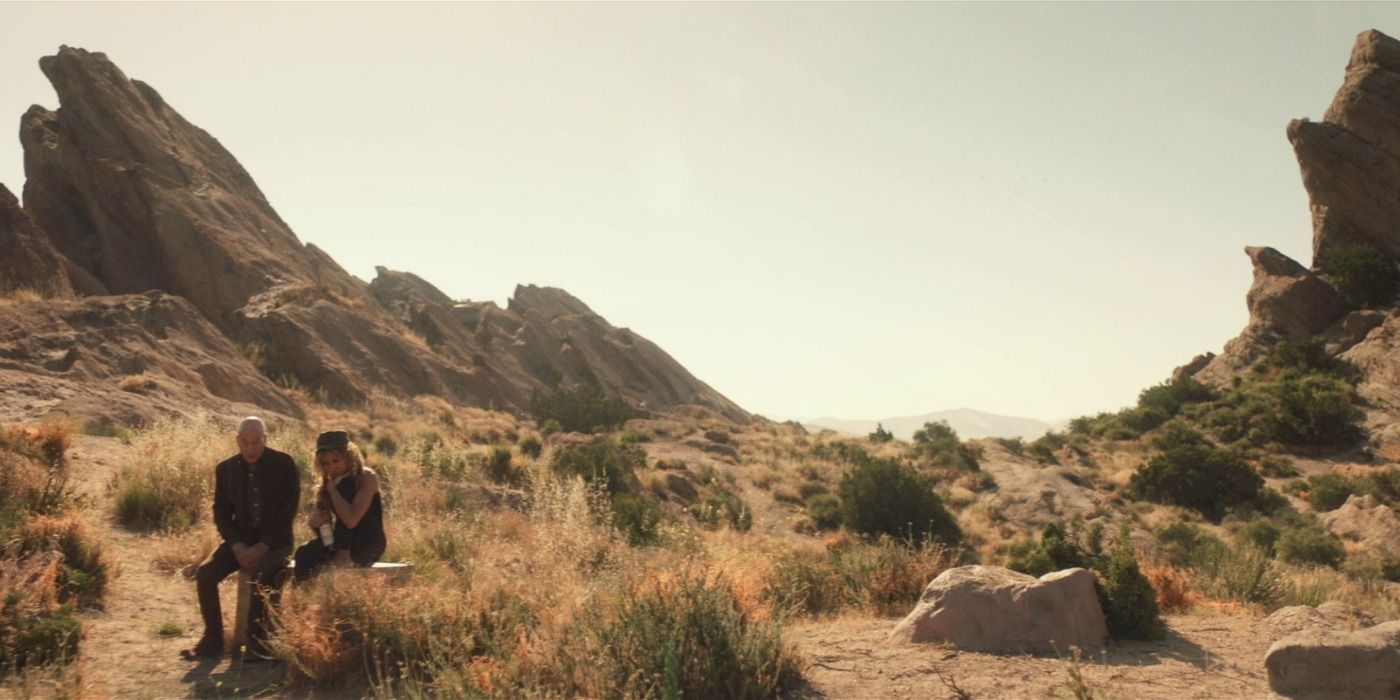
248	556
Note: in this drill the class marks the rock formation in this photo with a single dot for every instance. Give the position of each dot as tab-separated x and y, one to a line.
31	262
123	359
1350	160
1331	615
998	610
123	195
1328	663
1366	523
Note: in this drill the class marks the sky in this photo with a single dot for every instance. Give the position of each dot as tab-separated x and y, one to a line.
856	210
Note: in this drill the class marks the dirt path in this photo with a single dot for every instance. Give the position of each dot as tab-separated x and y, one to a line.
123	654
1207	656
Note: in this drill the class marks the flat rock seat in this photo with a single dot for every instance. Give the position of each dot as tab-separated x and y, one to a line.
395	573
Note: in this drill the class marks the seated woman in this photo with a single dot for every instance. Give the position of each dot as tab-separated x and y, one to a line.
348	499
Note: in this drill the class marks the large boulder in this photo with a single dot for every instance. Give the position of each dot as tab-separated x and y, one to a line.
998	610
1328	663
1366	522
1350	160
1331	615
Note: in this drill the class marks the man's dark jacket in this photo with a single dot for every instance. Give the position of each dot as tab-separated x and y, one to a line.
280	486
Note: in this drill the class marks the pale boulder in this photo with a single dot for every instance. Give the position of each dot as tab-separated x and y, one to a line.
993	609
1337	664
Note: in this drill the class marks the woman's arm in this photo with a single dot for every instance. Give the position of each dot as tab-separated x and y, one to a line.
351	512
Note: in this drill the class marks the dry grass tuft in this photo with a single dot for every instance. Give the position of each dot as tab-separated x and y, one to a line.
137	383
1176	589
168	482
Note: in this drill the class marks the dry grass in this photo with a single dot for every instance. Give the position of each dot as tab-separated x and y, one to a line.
137	383
182	552
85	570
169	479
1175	587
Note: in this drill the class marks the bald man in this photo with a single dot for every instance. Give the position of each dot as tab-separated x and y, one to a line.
256	495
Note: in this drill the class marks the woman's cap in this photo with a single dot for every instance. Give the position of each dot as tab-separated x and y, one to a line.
332	440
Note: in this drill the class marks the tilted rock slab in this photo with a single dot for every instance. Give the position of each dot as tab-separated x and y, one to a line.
1350	160
992	609
1336	664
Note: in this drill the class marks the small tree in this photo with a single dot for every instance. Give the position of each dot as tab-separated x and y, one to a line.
881	435
884	497
1131	602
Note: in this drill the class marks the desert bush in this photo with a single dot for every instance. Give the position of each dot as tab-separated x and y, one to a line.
35	629
1261	533
33	471
723	507
884	577
530	446
1176	591
499	467
1374	566
386	445
1131	601
1277	467
1312	409
583	409
1180	540
1043	448
1015	446
1191	472
880	435
168	482
1059	547
635	517
689	638
825	511
786	494
1362	274
1329	491
1311	544
84	570
939	442
604	462
1243	572
808	489
884	497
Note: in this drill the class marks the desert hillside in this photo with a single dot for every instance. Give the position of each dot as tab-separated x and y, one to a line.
587	519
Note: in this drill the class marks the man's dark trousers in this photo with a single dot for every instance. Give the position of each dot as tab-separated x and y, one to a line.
268	586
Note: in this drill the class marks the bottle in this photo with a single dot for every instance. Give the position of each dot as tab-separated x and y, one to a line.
327	536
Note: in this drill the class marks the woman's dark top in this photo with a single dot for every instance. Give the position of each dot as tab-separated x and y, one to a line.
366	540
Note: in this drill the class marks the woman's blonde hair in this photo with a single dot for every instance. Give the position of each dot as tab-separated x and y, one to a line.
352	454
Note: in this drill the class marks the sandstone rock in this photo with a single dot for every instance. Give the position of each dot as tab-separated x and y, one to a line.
1286	302
1337	664
1377	358
718	436
30	260
1332	615
1190	369
1361	519
998	610
1350	161
68	357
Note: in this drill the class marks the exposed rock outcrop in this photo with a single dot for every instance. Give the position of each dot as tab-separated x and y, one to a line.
30	260
1331	615
1327	663
1350	160
1367	523
123	359
137	198
998	610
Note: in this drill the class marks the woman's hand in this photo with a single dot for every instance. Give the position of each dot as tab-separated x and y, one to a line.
318	519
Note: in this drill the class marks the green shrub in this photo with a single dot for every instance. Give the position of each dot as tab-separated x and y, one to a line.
85	571
1191	472
825	511
1243	573
550	427
1043	448
1261	533
691	639
1168	398
1311	544
604	462
1057	549
806	582
939	442
1277	467
1313	409
1384	485
884	577
1130	601
1015	446
50	637
880	435
1362	274
1329	491
530	446
386	445
884	497
584	409
723	507
635	517
499	468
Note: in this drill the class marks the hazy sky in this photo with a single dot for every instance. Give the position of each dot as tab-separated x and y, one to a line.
859	210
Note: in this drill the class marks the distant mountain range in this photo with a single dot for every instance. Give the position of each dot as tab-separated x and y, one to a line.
969	423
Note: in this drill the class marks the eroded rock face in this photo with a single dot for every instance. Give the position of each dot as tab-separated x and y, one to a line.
1366	522
1350	160
1326	663
998	610
125	360
31	262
